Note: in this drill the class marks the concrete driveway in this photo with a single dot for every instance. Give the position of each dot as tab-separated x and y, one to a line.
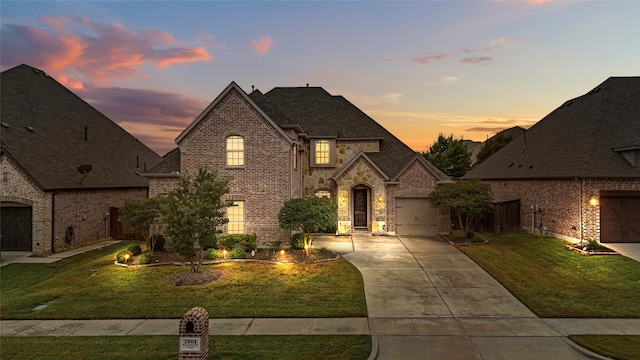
427	300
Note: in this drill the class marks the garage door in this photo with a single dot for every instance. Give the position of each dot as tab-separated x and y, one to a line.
620	217
15	228
416	216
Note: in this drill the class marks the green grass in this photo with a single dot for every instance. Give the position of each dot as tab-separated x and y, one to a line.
621	347
166	347
555	282
89	286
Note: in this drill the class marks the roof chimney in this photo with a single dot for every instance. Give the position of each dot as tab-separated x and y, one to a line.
307	84
252	88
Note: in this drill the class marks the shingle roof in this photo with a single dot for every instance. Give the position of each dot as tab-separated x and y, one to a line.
321	114
575	140
46	131
170	165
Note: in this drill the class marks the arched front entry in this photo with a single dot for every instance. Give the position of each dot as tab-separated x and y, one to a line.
361	207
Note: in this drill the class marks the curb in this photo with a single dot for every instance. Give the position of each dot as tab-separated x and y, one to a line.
583	351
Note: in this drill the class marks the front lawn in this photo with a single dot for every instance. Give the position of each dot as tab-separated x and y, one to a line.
555	282
346	347
621	347
89	286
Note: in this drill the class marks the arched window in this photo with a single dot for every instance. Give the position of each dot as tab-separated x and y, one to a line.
235	151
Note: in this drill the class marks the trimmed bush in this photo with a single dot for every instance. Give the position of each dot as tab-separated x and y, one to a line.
134	249
297	241
237	253
122	255
210	254
144	259
244	241
275	245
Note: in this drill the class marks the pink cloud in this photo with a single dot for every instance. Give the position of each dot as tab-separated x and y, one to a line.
479	60
428	59
262	46
95	51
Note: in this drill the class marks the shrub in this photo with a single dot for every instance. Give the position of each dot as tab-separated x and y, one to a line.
237	253
297	241
275	245
160	242
121	256
134	249
144	259
230	241
470	234
594	245
210	254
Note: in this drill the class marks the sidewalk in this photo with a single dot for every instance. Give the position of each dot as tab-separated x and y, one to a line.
23	257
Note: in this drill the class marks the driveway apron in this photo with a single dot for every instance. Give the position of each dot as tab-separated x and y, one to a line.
427	300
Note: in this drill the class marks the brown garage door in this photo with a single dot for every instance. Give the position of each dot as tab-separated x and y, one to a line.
415	216
16	228
620	216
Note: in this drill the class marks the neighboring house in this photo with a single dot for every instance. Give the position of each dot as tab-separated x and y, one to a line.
576	173
303	141
473	147
65	168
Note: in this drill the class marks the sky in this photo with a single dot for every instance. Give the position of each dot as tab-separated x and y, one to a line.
419	68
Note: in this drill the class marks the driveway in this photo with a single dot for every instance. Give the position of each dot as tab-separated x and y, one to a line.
428	300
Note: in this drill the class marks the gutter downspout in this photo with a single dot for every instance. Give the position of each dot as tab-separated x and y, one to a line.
53	212
581	210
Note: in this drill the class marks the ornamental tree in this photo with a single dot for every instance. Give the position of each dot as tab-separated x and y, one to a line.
449	155
309	215
468	198
193	213
138	215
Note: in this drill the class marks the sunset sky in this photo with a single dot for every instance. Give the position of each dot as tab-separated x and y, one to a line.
467	68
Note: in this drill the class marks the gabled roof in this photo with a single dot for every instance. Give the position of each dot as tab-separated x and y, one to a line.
43	130
230	88
355	159
437	173
578	139
322	115
168	167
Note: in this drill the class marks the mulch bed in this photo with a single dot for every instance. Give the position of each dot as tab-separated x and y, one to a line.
582	249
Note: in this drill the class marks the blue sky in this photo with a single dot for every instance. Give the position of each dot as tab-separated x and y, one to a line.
467	68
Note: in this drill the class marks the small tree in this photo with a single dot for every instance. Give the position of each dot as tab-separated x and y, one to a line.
466	198
309	215
492	145
137	216
449	155
193	212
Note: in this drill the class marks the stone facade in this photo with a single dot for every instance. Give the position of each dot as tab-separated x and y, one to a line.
566	203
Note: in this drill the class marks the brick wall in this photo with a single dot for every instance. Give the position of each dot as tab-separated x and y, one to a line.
17	188
85	211
416	182
265	182
159	185
565	203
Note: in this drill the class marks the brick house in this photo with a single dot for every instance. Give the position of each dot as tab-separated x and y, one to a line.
302	141
65	168
576	173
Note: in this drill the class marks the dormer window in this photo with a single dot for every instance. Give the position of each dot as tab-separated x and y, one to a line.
235	151
323	154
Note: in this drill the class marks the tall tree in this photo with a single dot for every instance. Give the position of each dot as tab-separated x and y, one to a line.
492	145
449	155
193	213
138	215
309	215
468	199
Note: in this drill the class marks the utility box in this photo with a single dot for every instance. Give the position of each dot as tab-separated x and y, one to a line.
194	335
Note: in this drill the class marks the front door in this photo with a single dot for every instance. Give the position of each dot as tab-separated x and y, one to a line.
360	207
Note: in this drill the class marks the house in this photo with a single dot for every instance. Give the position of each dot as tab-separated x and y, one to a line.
576	173
65	168
303	141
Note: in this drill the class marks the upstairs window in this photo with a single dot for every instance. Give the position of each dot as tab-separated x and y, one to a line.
235	214
235	151
323	193
323	153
